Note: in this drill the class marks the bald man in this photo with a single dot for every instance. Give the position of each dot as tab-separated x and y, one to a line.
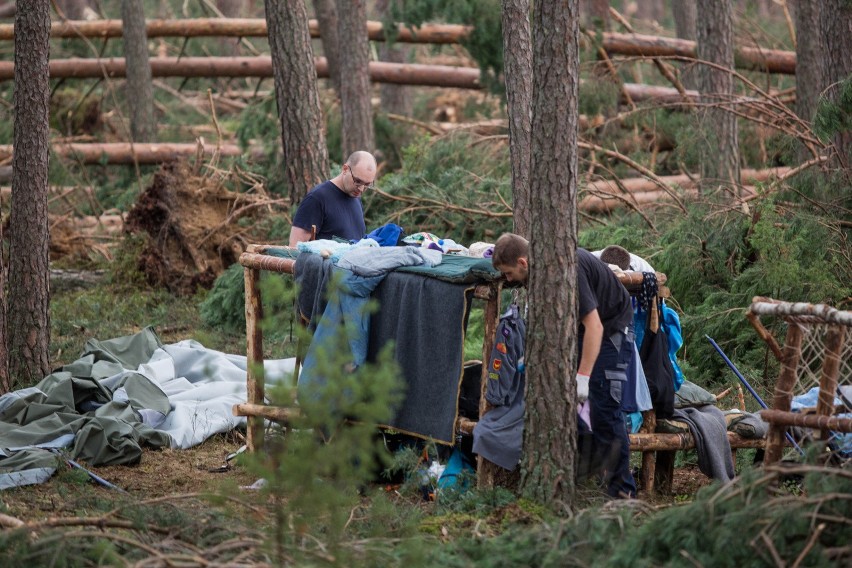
334	206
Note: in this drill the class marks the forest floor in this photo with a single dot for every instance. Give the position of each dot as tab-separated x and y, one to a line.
202	469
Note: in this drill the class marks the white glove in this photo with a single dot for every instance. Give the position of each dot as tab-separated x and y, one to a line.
582	388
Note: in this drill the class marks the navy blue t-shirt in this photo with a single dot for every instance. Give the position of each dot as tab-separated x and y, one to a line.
333	212
599	288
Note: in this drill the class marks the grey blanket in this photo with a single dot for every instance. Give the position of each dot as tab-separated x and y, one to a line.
425	318
707	425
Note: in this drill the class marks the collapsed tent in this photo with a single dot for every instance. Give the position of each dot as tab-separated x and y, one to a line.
122	395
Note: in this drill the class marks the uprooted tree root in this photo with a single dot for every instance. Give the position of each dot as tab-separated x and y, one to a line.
191	225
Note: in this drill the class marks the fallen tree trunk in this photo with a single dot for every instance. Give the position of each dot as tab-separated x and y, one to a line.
260	66
755	58
614	43
603	196
238	27
126	153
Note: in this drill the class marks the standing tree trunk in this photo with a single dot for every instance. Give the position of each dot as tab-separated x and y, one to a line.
395	98
326	13
299	111
720	161
808	62
836	18
356	123
550	424
517	63
140	91
29	284
5	383
684	16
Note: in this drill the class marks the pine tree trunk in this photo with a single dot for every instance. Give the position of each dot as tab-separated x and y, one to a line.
5	383
836	29
395	98
29	287
299	111
550	425
140	91
684	16
808	61
517	62
715	44
355	108
326	13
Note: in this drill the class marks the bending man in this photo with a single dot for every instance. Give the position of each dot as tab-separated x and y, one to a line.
606	351
334	206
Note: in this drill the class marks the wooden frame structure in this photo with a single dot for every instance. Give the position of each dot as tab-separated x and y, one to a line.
253	261
658	449
826	330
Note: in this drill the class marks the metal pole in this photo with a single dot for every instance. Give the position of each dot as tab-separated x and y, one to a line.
748	386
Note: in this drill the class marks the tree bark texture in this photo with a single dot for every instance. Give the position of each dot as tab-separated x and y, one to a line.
356	111
715	44
517	62
299	111
684	12
836	29
808	58
5	383
550	425
29	286
395	99
140	91
326	13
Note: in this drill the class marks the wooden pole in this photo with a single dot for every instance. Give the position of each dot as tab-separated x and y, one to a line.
126	153
775	439
238	27
754	58
258	66
816	421
834	341
254	356
631	45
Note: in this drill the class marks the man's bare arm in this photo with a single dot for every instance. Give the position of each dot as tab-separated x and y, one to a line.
591	342
299	235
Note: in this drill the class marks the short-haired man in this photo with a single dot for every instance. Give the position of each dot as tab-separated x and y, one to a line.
334	206
606	352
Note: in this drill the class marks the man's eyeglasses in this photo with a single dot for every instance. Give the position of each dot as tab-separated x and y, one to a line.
360	183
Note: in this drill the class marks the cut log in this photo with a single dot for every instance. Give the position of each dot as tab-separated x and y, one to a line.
259	66
238	27
636	45
124	153
755	58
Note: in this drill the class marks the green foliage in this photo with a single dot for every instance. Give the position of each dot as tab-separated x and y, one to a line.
449	170
834	115
224	306
329	451
485	42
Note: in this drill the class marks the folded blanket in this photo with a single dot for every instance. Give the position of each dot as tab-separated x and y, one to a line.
707	425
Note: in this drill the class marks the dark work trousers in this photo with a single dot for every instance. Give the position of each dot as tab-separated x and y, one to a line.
611	446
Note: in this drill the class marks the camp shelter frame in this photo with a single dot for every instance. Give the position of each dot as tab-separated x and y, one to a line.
817	351
254	260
